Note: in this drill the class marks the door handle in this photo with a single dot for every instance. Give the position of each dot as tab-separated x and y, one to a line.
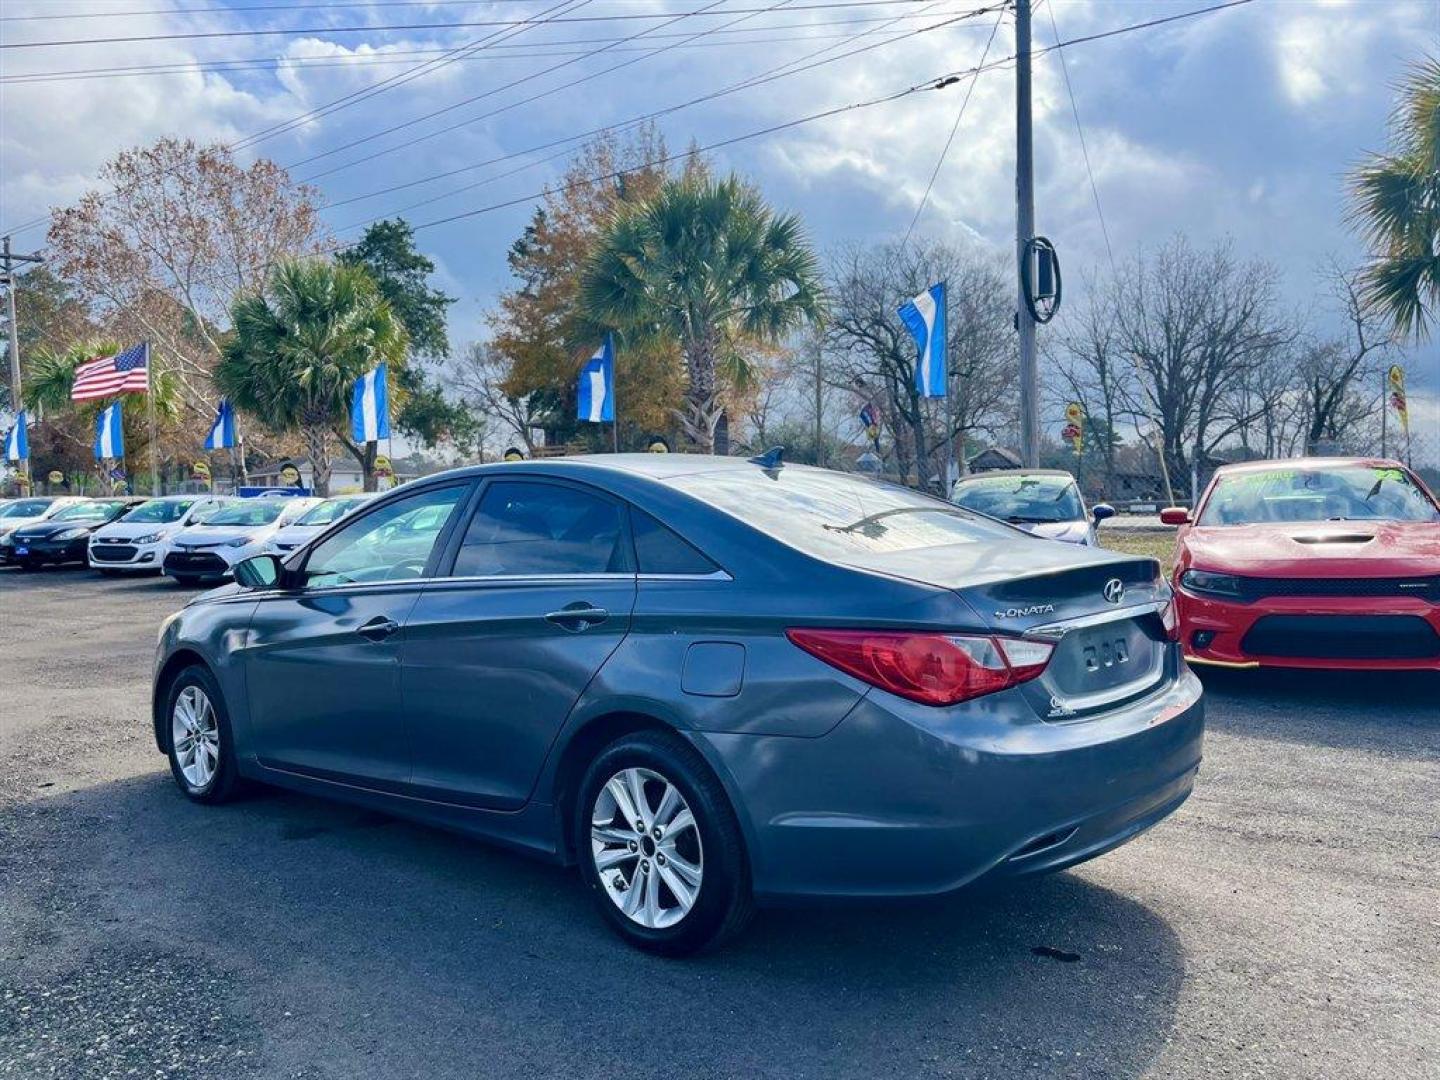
577	617
379	628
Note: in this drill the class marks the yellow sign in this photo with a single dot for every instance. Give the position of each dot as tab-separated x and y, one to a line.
383	466
56	476
1074	429
200	470
513	453
1397	396
658	445
289	475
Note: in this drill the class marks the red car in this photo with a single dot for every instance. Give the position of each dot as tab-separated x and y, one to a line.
1311	563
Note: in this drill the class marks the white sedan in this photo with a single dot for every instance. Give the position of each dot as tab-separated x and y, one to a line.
314	521
208	549
140	539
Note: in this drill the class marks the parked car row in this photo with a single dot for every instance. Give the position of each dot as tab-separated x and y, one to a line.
191	538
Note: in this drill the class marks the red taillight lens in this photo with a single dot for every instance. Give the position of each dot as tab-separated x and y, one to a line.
934	669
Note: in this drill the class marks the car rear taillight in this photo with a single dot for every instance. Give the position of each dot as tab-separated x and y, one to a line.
933	669
1170	619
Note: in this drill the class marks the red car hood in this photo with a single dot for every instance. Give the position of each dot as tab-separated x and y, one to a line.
1318	549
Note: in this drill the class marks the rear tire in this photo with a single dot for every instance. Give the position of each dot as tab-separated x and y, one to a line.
198	738
673	893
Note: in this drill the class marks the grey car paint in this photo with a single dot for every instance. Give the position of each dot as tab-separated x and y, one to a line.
477	713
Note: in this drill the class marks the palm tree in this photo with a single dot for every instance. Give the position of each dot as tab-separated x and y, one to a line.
295	353
707	264
1395	203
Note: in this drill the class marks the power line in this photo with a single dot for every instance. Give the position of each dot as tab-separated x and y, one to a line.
510	86
256	7
796	66
959	115
302	63
354	97
345	101
824	5
1080	130
942	82
464	123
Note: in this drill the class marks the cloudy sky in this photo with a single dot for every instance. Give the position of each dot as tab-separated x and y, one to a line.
1240	123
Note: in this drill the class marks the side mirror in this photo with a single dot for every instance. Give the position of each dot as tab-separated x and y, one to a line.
258	572
1175	515
1102	511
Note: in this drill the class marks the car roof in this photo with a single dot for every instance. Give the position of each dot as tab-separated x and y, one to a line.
1309	463
653	466
1015	472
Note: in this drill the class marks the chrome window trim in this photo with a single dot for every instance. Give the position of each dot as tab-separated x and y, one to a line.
1056	630
541	578
714	575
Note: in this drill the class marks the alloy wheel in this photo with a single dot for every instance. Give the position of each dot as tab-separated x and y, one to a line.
646	848
195	734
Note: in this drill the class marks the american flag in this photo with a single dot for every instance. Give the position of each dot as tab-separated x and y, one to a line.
119	374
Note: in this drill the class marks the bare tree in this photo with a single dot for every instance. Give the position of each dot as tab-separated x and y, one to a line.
479	376
181	233
1194	324
1090	367
870	353
1330	369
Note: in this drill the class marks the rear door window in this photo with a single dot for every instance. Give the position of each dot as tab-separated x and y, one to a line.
530	528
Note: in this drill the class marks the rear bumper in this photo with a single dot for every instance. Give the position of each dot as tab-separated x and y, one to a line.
903	800
1360	633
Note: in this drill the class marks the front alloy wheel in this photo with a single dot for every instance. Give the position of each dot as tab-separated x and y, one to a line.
646	848
195	735
201	757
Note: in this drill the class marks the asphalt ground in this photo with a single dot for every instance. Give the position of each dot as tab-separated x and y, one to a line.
1284	923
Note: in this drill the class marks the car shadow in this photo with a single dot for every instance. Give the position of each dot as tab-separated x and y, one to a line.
1395	711
342	935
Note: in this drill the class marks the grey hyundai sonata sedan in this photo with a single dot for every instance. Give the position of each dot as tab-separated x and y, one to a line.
710	683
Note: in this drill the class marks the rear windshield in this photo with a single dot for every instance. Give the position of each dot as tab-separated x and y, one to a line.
25	508
1340	493
834	516
248	512
1029	500
159	511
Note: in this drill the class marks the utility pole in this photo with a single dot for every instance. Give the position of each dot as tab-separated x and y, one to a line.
9	260
1024	231
819	410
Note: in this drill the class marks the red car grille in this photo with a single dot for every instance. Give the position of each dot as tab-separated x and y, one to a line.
1343	637
1426	588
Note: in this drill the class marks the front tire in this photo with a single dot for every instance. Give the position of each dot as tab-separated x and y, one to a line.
198	741
659	846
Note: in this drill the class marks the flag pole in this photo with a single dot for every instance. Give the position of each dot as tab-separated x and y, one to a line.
614	396
154	426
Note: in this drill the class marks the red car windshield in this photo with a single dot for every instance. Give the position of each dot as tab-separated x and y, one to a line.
1342	493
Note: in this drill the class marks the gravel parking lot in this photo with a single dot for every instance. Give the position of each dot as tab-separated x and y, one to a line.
1286	922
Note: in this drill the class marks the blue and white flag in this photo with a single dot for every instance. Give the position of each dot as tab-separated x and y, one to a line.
222	431
370	408
924	317
17	445
109	439
596	399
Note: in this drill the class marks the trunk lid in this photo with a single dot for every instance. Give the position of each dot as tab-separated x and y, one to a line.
1099	610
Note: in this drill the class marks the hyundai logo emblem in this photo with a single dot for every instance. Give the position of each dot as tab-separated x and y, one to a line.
1114	590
